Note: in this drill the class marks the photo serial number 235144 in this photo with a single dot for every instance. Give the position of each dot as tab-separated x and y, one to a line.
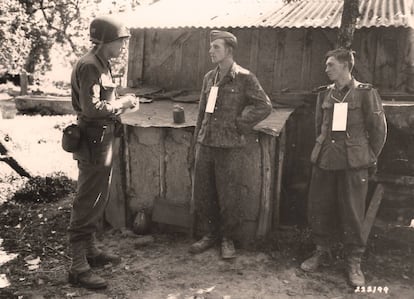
372	289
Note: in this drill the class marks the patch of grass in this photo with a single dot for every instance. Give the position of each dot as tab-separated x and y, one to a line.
45	189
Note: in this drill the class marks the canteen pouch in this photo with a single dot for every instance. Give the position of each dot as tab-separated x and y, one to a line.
71	138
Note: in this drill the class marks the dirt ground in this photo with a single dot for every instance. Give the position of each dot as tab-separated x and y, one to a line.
158	265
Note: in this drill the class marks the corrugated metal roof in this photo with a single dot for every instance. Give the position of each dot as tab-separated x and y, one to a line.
201	13
387	13
267	13
328	13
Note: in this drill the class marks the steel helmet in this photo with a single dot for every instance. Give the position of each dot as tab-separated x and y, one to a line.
107	29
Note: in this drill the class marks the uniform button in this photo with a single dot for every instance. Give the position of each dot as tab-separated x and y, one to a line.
215	108
215	118
333	141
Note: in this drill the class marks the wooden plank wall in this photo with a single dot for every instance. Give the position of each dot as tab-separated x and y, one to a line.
136	57
158	168
283	59
159	171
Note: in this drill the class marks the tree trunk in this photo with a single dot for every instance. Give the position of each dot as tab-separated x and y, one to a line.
350	14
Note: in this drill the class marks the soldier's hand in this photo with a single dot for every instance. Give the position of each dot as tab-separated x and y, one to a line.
136	102
129	101
242	128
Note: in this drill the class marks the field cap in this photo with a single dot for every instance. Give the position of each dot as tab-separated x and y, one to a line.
227	36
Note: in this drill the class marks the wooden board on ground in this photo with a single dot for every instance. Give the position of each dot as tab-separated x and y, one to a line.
44	104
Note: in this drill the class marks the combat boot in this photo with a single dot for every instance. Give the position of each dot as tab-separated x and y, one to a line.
320	257
87	280
355	275
203	244
98	258
227	249
80	273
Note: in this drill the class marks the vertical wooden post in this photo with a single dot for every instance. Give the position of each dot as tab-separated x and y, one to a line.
136	57
410	60
280	37
266	188
202	56
178	59
24	82
192	203
254	50
127	169
278	189
306	59
162	163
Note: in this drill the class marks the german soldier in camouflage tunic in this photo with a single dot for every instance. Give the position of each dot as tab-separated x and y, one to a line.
351	131
221	130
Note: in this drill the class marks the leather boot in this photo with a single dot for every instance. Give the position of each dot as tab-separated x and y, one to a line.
227	249
320	257
98	258
355	276
77	253
203	244
87	280
80	273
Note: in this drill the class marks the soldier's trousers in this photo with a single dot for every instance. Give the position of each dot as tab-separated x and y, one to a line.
337	203
90	200
216	189
95	170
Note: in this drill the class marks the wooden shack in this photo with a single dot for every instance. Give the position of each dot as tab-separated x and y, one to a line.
159	177
284	45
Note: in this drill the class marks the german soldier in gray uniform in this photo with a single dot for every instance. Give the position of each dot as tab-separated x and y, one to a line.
351	131
97	106
221	130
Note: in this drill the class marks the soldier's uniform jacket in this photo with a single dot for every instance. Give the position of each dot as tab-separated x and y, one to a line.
366	129
229	122
93	91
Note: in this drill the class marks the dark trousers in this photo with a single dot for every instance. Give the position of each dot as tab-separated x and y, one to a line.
337	200
90	200
95	171
216	189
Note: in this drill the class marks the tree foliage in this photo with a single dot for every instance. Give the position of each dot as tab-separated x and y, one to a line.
30	28
14	35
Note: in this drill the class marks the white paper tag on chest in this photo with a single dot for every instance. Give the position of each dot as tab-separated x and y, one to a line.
340	115
212	97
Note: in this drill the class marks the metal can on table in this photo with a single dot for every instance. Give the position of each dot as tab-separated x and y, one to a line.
178	114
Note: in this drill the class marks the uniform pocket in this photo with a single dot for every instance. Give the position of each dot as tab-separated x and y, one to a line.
355	115
359	153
